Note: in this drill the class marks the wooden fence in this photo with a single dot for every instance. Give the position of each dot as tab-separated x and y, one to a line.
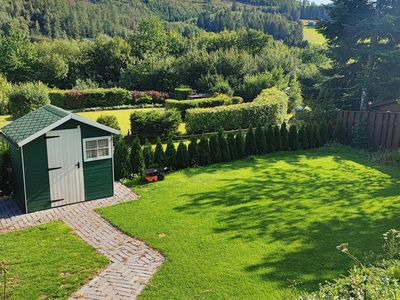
383	127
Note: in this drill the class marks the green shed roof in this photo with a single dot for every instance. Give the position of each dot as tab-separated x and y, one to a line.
42	120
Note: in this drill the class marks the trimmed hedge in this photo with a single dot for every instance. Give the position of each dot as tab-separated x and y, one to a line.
199	120
182	93
154	123
183	105
74	99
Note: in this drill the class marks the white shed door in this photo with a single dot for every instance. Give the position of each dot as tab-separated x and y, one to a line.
64	153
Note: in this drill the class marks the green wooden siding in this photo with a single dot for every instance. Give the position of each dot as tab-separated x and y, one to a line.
37	175
16	161
98	179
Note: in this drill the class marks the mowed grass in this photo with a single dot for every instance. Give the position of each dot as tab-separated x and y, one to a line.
47	262
313	36
254	228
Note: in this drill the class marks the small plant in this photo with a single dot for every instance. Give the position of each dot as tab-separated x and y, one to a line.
391	244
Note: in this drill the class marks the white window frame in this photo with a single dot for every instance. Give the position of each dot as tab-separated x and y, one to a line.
86	159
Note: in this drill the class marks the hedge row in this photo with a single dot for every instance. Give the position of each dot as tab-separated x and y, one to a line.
183	105
200	120
223	148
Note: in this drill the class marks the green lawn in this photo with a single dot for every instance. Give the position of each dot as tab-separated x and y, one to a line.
312	35
253	228
47	262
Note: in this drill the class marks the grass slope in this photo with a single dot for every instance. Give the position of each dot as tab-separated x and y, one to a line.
47	262
250	229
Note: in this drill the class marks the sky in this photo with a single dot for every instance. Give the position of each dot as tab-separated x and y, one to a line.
322	1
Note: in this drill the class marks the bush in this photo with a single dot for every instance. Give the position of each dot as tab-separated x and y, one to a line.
222	86
170	154
284	138
6	174
5	89
224	147
250	142
121	160
324	132
154	123
110	121
269	136
27	97
155	96
277	139
274	96
293	138
148	155
360	138
215	150
137	160
240	145
199	120
146	99
182	93
183	105
340	133
303	139
76	99
182	156
388	157
232	146
260	140
204	152
159	156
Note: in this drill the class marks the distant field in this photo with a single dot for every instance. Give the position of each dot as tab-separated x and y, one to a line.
312	35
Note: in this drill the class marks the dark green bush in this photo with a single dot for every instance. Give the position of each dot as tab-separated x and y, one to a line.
340	133
277	138
6	174
231	117
215	149
250	142
193	151
182	93
232	146
284	138
136	158
204	152
293	138
122	168
27	97
224	147
159	156
182	156
269	137
154	123
360	138
75	99
240	145
110	121
303	138
324	132
148	155
170	154
260	140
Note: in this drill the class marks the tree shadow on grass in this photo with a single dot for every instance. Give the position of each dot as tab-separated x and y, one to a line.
304	206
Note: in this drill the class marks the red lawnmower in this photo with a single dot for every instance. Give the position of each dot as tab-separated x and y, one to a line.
154	175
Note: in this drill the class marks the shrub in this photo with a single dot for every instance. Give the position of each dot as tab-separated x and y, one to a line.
182	156
224	147
215	150
80	99
324	132
183	105
284	138
250	142
232	146
269	137
274	96
5	89
240	145
137	160
293	138
150	124
27	97
148	155
145	99
222	86
199	120
121	159
6	174
388	157
360	135
156	96
159	156
317	135
311	137
303	138
170	154
110	121
277	138
237	100
340	133
260	140
193	151
182	93
204	152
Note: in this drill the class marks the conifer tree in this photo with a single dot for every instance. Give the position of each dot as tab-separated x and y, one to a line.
269	137
148	155
182	156
277	138
193	151
122	168
293	138
303	138
240	145
215	150
284	137
224	147
159	156
323	130
232	146
312	141
170	154
250	142
137	160
204	152
261	141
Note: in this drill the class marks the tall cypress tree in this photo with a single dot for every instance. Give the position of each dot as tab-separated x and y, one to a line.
293	138
261	141
148	155
224	147
204	152
269	137
240	145
232	146
284	138
137	160
170	154
182	156
215	150
250	142
277	138
193	151
159	156
312	141
303	139
122	167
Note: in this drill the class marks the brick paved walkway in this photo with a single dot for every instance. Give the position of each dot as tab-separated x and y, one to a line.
132	262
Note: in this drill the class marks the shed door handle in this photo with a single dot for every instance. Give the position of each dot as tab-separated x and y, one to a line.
78	164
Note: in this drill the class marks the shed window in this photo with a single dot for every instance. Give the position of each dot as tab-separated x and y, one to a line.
97	148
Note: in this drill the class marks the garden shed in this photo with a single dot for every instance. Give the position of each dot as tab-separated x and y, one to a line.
59	158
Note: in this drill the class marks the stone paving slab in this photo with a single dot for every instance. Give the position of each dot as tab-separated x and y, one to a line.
133	263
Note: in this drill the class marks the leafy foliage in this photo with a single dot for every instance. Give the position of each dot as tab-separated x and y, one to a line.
27	97
110	121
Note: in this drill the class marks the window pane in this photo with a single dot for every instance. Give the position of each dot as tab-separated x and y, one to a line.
103	143
91	144
104	152
91	153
